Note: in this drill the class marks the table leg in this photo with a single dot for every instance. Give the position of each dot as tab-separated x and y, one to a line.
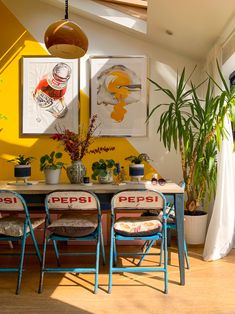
179	213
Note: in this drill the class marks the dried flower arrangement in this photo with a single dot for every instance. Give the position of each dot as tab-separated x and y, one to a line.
76	145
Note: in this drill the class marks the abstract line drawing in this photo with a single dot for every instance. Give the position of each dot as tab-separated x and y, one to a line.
118	95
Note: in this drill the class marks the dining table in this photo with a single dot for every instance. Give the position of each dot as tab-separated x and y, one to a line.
34	193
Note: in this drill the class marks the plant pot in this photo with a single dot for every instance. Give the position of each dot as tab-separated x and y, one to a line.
106	179
22	172
76	172
136	171
52	176
195	227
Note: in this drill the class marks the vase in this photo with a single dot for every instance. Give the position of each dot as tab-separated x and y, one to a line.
106	179
76	172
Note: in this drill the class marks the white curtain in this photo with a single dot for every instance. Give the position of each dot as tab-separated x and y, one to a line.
220	237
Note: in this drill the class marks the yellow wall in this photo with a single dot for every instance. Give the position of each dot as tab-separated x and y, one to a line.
17	42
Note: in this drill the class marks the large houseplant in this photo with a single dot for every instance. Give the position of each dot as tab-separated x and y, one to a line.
195	126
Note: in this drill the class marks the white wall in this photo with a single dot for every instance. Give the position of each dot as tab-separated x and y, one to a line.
163	66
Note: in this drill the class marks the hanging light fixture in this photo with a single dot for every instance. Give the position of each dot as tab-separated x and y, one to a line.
65	39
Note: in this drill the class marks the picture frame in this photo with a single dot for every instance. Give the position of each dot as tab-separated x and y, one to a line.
50	88
118	95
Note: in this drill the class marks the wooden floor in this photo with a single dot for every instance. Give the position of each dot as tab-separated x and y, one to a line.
210	288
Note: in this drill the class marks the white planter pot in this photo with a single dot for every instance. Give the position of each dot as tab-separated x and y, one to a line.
52	176
195	228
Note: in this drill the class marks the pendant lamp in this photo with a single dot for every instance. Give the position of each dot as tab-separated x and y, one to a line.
65	39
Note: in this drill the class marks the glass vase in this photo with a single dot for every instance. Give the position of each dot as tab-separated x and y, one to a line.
76	172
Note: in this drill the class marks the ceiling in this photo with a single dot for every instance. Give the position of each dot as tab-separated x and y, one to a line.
187	27
196	25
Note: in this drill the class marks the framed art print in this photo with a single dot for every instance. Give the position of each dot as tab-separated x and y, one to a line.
50	95
119	95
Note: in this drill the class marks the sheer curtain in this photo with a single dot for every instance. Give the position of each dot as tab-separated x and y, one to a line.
220	237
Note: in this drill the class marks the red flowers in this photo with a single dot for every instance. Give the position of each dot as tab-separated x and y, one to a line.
76	145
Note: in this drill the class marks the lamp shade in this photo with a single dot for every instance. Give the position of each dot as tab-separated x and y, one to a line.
65	39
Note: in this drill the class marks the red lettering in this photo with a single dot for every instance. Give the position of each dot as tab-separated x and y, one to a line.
149	199
8	200
73	199
55	199
140	198
82	200
131	199
89	199
64	200
122	198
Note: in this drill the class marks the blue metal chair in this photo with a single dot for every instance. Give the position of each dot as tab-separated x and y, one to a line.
172	226
137	228
80	221
14	228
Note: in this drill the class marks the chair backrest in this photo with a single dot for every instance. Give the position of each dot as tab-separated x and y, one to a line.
139	199
12	201
69	200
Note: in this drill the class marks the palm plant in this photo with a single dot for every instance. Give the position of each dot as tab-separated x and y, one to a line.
195	127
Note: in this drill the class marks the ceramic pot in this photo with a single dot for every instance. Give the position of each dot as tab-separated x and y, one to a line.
52	176
195	228
136	171
22	172
106	179
76	172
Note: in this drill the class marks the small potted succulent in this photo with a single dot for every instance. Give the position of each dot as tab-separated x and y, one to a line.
104	170
22	169
136	168
51	165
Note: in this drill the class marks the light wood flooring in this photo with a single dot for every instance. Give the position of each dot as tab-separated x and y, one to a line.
210	288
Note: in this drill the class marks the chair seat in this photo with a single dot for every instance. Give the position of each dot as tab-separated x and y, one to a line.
74	225
138	226
14	226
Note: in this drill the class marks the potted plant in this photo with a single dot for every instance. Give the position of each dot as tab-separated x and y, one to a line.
136	168
194	126
104	170
22	169
51	165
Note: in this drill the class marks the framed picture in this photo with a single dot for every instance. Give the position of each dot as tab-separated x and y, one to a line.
119	95
50	95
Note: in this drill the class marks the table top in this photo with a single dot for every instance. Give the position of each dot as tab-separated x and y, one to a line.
42	188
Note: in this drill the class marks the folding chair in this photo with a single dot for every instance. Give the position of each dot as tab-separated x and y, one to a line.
80	221
14	228
138	228
171	225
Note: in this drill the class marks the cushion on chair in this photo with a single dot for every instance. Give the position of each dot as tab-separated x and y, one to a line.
14	226
159	213
138	226
74	225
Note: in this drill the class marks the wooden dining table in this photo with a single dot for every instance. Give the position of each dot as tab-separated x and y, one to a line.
34	194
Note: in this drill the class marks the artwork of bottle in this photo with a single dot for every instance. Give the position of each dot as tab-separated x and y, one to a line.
50	91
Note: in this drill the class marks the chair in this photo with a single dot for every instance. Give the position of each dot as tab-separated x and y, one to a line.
172	226
80	221
137	228
14	228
